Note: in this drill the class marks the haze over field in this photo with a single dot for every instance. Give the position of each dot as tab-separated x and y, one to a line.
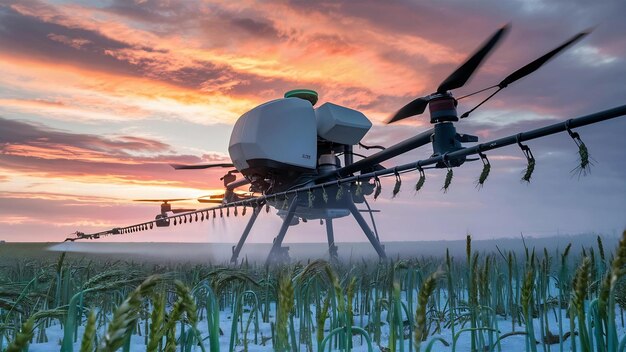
96	98
349	252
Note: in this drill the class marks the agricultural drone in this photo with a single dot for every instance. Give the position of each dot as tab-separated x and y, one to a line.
288	153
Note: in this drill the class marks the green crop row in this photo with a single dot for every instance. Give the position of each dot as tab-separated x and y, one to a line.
402	305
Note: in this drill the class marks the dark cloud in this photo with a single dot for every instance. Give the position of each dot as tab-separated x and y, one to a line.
154	11
256	27
537	27
47	41
21	133
39	150
56	207
34	38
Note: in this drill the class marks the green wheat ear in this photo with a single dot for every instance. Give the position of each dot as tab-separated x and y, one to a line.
157	318
321	317
448	181
87	344
584	162
620	292
396	187
23	336
285	305
426	290
483	175
530	168
618	273
126	315
581	284
420	183
619	263
188	303
339	194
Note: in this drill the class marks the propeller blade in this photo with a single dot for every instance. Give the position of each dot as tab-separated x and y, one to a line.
161	200
215	201
176	211
199	166
459	77
413	108
524	71
533	66
212	196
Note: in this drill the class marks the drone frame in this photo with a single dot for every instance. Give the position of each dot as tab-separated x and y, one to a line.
339	179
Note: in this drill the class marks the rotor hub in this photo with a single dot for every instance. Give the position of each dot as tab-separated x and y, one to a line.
443	109
165	207
328	163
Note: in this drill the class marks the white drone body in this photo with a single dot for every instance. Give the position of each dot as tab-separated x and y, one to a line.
276	144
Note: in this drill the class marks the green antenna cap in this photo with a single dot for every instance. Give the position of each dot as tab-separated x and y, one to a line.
306	94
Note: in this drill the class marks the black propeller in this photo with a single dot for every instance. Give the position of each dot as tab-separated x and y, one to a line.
533	66
165	206
525	70
199	166
161	200
457	79
416	107
177	211
214	201
213	198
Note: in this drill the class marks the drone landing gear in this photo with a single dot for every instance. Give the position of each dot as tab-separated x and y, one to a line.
278	253
237	249
332	248
368	232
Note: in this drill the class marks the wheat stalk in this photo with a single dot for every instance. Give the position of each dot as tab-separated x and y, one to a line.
126	316
285	305
87	344
156	322
23	337
426	290
321	318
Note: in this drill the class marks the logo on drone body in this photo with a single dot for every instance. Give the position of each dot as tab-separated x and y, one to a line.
306	156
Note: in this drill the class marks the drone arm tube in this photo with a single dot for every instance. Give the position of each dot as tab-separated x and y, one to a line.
543	131
498	143
393	151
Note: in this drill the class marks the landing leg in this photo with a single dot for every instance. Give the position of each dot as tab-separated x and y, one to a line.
368	232
278	253
236	249
332	248
372	217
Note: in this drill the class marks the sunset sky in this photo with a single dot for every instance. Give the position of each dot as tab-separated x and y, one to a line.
98	97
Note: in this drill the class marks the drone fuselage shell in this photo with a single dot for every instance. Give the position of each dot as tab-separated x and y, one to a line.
276	143
341	125
278	136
